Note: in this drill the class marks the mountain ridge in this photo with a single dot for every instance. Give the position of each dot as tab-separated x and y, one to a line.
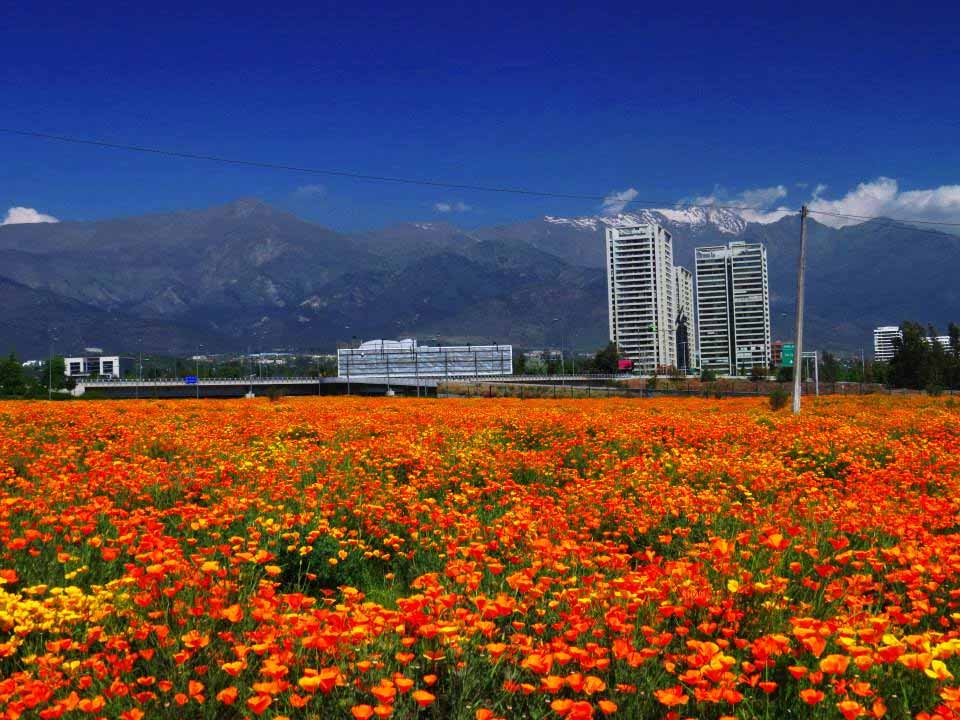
250	275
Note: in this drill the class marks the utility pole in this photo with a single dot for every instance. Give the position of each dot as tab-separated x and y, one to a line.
50	369
863	371
798	348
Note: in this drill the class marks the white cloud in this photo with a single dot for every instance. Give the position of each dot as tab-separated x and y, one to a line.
446	207
882	197
311	190
25	215
615	202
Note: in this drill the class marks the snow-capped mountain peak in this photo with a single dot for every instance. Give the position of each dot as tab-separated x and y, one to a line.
725	220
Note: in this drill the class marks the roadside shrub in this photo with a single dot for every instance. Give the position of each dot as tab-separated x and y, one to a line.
778	399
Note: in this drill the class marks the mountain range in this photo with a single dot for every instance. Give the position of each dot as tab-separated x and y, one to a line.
248	276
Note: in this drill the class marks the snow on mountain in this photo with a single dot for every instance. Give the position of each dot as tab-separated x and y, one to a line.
583	223
726	221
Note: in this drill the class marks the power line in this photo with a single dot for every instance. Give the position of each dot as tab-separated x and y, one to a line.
352	175
881	217
425	183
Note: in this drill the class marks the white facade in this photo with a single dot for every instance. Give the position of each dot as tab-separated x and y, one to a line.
686	319
405	358
733	307
641	294
883	342
102	365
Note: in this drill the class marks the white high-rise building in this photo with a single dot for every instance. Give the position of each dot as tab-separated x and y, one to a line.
883	342
733	307
686	322
640	294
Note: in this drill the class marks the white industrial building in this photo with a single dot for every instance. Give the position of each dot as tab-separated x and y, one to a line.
407	359
99	365
733	307
641	295
686	319
883	342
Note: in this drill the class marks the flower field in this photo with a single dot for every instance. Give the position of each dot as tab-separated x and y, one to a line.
479	559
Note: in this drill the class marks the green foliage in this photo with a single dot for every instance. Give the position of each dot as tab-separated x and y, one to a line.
921	363
605	361
520	364
785	375
830	368
758	373
13	381
778	399
708	375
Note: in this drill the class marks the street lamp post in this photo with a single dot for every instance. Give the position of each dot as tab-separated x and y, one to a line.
562	339
50	370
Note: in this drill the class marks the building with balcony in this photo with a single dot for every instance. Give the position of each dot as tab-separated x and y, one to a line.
641	295
686	319
883	342
733	307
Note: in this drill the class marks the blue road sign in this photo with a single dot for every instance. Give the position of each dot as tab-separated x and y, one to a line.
190	379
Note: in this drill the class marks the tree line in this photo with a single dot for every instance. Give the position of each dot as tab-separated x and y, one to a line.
921	362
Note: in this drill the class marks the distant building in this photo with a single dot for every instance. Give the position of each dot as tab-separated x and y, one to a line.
542	356
686	319
405	358
641	295
733	307
883	342
97	365
271	358
776	353
942	340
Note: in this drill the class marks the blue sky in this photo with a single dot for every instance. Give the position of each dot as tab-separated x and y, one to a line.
675	102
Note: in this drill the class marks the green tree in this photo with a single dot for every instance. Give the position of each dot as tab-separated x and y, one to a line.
910	353
13	382
520	364
605	361
830	368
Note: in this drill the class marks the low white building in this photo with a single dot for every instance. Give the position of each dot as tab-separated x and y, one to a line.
100	365
405	358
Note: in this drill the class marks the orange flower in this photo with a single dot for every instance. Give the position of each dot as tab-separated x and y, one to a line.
607	707
259	703
671	697
234	613
811	696
361	712
324	681
850	709
835	664
423	698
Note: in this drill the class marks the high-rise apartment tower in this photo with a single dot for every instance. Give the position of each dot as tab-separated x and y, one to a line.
640	294
686	322
733	307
